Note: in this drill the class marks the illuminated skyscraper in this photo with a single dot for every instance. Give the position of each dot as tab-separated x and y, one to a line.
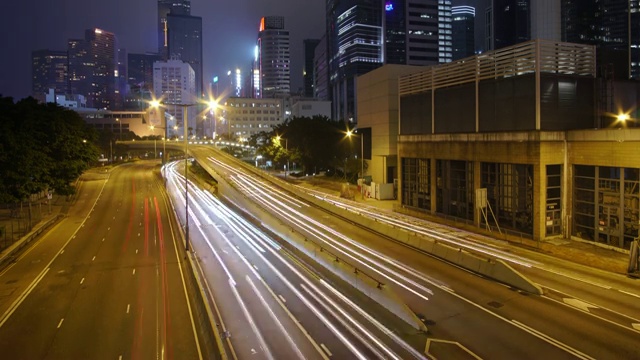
166	7
463	21
362	35
49	71
185	43
93	68
273	59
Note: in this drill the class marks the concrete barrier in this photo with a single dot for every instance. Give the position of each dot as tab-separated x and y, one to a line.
10	252
492	268
298	239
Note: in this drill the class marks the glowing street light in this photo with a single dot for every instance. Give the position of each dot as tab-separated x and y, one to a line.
349	135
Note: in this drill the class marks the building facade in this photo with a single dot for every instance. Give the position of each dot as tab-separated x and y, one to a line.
362	35
93	70
321	71
308	72
463	34
509	143
185	43
272	68
243	117
48	71
174	84
166	7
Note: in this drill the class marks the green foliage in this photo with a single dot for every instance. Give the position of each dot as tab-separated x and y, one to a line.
42	146
316	143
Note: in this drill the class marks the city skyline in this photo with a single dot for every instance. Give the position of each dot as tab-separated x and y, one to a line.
52	24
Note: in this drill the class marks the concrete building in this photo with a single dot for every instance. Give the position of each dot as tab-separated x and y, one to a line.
48	71
72	101
126	125
244	117
378	109
511	139
310	107
174	84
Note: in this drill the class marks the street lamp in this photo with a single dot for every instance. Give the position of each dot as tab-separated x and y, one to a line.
118	120
286	148
349	135
156	105
185	123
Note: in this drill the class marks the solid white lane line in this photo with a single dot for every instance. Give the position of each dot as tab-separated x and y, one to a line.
81	281
553	341
60	323
628	293
184	286
275	318
326	350
35	282
251	321
61	251
282	298
22	296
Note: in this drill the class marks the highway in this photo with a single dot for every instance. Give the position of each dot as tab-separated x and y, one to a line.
107	282
269	304
486	318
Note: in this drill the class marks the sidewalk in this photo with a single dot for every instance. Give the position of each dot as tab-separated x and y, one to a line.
580	252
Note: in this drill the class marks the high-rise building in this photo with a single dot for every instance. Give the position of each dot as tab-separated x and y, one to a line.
273	59
508	22
511	22
140	70
308	71
166	7
463	24
604	24
634	30
49	71
174	82
321	71
185	43
92	70
139	80
362	35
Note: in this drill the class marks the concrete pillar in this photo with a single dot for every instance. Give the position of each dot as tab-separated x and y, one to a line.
476	185
432	181
539	200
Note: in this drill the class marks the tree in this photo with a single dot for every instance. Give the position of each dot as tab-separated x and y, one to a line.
44	146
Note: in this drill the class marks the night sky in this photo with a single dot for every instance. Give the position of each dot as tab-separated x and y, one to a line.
230	29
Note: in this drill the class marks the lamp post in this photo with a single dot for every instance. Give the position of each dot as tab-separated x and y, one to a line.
350	134
185	123
286	148
118	120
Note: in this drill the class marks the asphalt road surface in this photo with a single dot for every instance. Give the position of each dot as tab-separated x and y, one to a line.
108	282
491	320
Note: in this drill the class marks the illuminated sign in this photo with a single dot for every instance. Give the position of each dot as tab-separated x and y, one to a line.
388	6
